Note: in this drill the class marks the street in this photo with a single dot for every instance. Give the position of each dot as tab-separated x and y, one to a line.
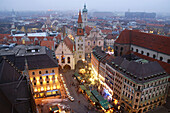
76	106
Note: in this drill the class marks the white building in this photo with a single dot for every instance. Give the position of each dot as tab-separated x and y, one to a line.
65	53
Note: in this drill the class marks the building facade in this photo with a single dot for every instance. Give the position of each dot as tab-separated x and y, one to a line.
95	38
154	46
139	85
65	53
41	65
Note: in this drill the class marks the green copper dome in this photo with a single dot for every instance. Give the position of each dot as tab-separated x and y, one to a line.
84	10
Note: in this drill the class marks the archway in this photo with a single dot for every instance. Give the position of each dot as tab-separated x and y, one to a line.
66	68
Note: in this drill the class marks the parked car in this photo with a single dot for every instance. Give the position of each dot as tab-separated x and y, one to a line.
71	98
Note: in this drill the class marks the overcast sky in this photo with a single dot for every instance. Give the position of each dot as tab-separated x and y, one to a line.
98	5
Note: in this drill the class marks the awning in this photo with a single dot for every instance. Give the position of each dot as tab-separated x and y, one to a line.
82	87
105	104
92	98
97	95
88	92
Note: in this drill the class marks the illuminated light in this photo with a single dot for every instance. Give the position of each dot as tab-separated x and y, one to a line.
54	87
115	102
51	88
48	87
83	60
31	79
35	90
42	89
118	107
61	75
38	89
58	87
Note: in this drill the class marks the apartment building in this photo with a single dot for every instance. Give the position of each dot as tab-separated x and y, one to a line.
138	84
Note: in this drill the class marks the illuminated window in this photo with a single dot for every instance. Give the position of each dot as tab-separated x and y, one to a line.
62	59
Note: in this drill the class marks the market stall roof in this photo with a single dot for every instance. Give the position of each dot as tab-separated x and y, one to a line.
105	104
82	87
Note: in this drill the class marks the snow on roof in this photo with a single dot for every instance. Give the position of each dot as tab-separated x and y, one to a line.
43	34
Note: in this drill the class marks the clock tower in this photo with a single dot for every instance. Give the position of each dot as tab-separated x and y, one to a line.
80	40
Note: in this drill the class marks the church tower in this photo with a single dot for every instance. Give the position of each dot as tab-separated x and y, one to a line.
80	40
84	16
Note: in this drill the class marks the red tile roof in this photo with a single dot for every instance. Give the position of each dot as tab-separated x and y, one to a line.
155	25
111	36
106	31
165	65
80	19
49	44
88	29
151	41
69	43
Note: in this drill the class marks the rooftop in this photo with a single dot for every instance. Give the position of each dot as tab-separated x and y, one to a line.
38	57
151	41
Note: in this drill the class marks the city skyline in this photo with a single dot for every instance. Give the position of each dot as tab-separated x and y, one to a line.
95	5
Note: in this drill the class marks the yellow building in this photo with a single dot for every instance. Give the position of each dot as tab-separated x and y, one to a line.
39	65
45	81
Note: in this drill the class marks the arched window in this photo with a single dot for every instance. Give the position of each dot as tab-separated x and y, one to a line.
147	54
62	59
121	48
137	50
142	52
132	48
154	56
88	43
168	61
68	59
94	42
161	58
99	42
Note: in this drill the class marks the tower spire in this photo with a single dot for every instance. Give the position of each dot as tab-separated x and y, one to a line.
80	19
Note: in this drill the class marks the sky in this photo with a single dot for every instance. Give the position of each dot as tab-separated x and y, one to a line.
96	5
